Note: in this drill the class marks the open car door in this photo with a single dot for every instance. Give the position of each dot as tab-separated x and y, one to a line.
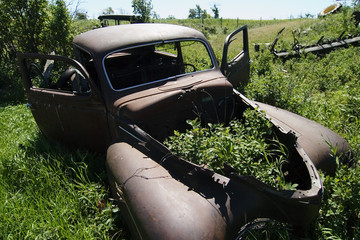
235	64
64	101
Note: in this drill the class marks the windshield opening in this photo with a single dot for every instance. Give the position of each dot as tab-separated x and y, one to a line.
150	63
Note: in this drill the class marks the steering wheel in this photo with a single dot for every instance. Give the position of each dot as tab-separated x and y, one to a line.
188	67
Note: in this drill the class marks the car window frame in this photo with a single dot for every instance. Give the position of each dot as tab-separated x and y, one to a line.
205	43
23	57
66	108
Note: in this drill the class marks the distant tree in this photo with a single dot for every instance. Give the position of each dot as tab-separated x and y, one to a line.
143	8
204	14
192	13
215	10
108	10
76	8
155	15
80	16
197	13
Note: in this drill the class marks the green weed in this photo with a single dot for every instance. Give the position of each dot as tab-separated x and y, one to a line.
249	147
47	192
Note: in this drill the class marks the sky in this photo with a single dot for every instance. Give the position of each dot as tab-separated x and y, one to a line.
242	9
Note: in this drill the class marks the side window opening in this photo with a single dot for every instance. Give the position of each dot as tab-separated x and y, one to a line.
235	49
235	63
56	75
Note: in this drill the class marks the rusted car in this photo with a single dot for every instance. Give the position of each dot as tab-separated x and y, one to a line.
130	87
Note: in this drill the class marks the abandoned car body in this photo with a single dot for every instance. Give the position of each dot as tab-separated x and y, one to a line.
130	87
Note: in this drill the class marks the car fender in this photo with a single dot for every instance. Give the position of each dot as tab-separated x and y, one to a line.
154	204
317	141
172	198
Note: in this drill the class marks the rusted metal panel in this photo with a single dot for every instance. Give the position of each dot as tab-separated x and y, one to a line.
317	140
171	198
72	118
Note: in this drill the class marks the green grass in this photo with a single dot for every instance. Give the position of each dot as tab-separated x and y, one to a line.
47	192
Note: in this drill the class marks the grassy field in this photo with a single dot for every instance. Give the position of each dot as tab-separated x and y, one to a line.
48	192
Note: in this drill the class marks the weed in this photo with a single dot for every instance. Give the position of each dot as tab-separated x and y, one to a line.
249	147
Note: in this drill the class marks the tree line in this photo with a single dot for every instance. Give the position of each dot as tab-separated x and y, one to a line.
33	26
144	9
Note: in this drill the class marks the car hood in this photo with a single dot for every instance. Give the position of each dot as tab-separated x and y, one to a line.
173	94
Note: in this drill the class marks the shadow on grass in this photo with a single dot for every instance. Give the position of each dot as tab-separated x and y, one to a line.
83	170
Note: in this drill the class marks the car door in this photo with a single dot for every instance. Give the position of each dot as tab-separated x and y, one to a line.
235	64
64	101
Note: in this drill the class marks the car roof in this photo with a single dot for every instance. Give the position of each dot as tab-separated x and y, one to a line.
101	41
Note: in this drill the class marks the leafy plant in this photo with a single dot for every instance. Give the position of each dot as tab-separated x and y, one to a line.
250	147
340	214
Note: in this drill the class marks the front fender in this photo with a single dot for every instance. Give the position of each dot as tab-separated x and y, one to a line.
164	197
155	205
315	139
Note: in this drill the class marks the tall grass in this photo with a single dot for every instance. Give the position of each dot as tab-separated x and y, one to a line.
47	192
